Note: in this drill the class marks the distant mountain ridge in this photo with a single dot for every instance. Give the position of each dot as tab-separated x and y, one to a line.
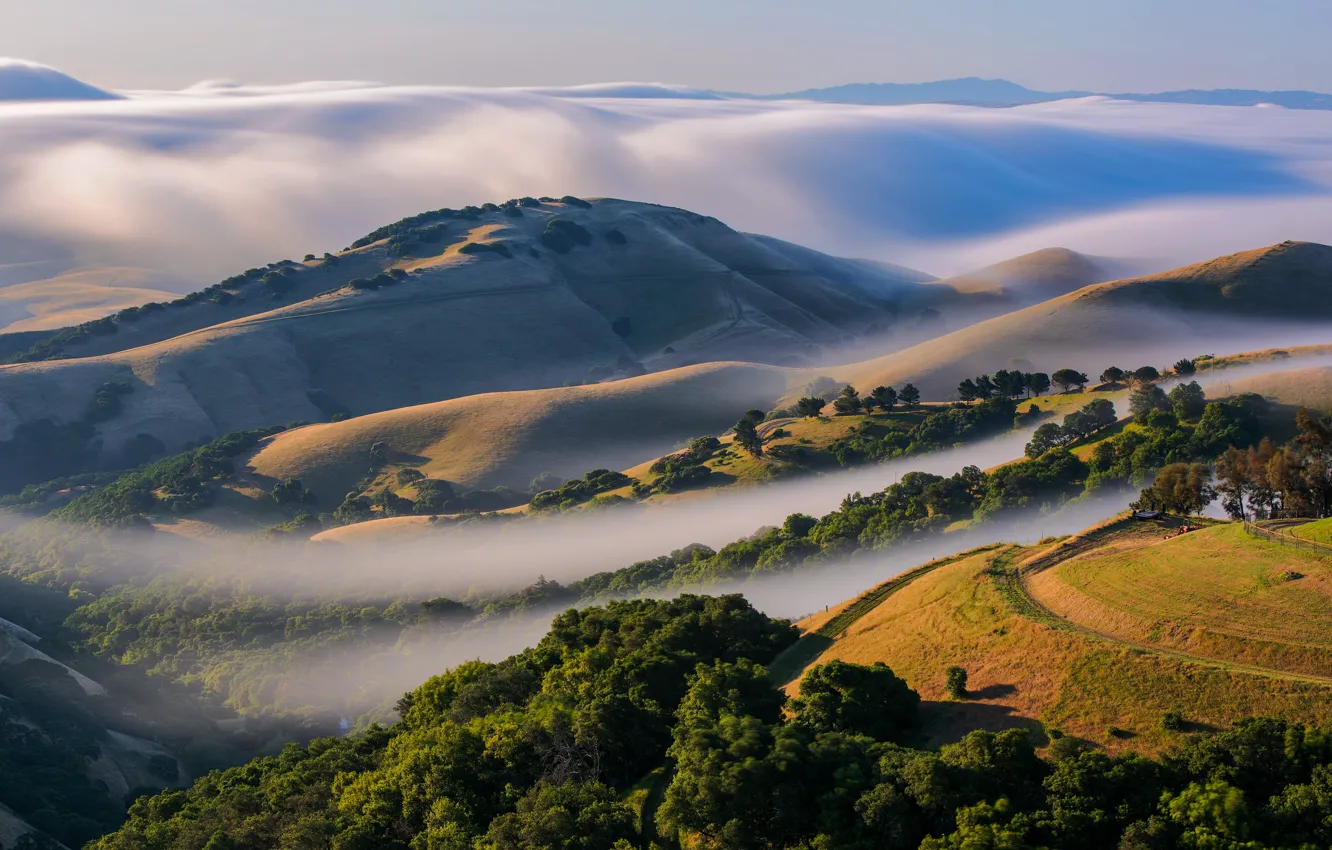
975	91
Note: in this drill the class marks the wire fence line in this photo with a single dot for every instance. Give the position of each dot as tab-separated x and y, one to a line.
1288	539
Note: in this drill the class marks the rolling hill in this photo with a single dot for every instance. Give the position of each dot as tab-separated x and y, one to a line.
79	296
1101	634
516	297
1310	387
1034	277
1253	299
510	438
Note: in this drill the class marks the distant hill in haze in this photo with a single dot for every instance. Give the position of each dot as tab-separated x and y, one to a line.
22	80
975	91
1033	277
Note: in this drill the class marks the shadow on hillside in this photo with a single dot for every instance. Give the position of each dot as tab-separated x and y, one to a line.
946	722
992	692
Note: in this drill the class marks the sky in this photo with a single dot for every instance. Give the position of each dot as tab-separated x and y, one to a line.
760	46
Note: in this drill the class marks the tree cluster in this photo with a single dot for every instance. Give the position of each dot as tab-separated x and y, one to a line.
1003	384
1294	480
1094	416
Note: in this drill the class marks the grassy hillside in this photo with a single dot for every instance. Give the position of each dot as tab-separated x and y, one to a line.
510	438
1033	277
1026	667
1237	300
1310	387
79	296
518	297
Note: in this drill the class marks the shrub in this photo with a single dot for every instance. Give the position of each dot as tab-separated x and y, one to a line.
955	682
1172	721
571	201
615	237
562	236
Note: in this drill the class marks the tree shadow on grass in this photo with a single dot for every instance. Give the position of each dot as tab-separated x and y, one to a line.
946	722
992	692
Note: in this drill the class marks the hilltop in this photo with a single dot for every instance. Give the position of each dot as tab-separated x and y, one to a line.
1251	299
1100	635
23	80
1033	277
531	294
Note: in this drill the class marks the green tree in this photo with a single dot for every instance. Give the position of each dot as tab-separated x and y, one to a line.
1067	379
955	682
1184	367
909	396
1146	398
755	415
563	816
967	390
810	406
1188	401
1047	436
747	437
848	401
856	699
884	398
1112	375
1146	375
1038	383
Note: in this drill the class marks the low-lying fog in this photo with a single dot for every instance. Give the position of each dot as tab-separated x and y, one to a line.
483	559
212	180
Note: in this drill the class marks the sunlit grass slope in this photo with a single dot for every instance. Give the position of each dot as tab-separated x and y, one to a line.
1027	670
1155	319
510	438
1217	593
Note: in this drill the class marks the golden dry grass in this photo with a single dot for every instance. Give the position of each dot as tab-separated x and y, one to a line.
1216	593
1037	276
1310	387
1152	319
80	296
1023	672
510	438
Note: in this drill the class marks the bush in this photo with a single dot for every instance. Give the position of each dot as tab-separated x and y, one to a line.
571	201
615	237
955	682
562	236
1172	721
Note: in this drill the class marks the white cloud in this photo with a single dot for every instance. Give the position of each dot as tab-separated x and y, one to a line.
223	176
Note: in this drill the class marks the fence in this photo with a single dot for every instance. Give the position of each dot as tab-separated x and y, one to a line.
1288	539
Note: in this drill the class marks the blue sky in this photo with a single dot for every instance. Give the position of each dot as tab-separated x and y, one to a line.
751	45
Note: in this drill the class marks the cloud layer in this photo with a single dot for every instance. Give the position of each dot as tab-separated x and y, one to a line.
222	176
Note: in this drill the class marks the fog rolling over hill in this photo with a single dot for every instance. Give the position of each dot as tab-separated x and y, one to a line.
462	302
1035	277
1264	298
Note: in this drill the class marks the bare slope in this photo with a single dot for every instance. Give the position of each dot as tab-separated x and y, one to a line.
510	438
1252	299
79	296
653	284
1033	277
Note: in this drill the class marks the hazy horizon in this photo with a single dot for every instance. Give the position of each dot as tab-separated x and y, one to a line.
743	45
